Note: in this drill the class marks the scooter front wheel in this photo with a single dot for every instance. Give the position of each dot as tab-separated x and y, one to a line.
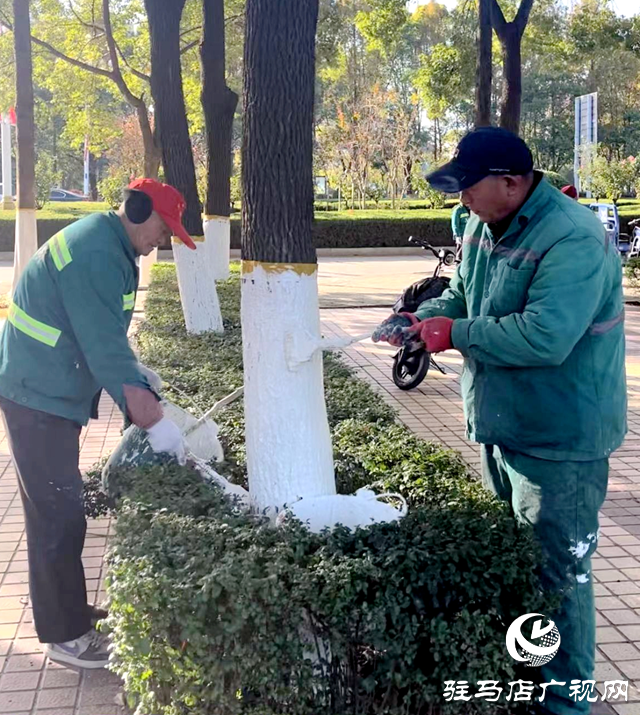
410	368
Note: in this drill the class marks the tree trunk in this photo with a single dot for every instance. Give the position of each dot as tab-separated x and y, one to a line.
510	35
170	112
289	451
484	70
26	227
219	106
512	85
152	153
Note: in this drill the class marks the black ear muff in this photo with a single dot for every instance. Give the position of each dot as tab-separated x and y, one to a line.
137	206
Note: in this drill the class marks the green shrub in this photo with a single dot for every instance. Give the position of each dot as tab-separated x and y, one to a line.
632	272
208	604
357	232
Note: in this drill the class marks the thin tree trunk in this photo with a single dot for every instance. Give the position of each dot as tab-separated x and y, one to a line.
152	152
512	86
26	227
289	451
26	189
484	70
219	105
170	112
510	35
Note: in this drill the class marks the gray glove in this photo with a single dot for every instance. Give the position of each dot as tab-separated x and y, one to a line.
154	380
388	327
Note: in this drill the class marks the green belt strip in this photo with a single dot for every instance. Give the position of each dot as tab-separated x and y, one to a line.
41	332
59	251
128	301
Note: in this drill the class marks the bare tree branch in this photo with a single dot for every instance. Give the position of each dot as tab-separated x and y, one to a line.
190	30
133	70
89	25
186	48
113	55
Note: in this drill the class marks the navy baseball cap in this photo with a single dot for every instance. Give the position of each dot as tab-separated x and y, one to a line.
488	151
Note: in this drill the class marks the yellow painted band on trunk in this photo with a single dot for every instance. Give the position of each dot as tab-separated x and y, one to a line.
195	239
213	217
301	269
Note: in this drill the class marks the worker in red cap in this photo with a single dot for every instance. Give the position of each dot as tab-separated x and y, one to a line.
570	191
65	340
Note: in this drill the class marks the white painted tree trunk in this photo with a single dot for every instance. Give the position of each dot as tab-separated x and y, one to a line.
198	294
217	238
287	433
26	242
7	169
145	268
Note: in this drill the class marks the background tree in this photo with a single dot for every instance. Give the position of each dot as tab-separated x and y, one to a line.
170	111
219	104
26	227
83	35
510	35
484	74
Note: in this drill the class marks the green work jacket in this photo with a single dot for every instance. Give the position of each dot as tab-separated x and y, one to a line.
539	319
65	338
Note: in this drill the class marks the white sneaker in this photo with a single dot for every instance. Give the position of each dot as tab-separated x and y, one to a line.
89	651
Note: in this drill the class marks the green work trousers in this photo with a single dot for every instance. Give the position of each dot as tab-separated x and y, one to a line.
561	501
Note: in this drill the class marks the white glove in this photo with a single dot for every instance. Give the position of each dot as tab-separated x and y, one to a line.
154	380
165	436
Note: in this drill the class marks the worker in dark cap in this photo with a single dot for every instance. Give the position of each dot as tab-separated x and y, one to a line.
536	311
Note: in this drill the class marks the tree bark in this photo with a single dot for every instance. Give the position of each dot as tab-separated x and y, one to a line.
219	104
510	36
26	241
277	153
170	112
484	70
26	174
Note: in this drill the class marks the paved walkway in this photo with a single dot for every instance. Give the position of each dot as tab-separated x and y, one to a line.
29	685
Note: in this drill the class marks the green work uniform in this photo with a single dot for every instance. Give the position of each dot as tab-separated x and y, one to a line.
538	316
459	217
65	338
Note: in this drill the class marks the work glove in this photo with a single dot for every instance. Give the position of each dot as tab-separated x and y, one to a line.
392	326
165	436
435	333
154	380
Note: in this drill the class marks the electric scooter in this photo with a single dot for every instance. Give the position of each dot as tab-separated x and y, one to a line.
412	362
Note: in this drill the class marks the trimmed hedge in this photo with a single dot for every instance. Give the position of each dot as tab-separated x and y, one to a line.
216	611
371	233
336	233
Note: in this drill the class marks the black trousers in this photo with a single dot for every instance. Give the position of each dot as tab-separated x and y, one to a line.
45	449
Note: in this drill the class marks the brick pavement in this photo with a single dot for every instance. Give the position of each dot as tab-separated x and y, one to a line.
434	412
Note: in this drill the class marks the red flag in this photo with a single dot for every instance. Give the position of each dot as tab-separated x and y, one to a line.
12	116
